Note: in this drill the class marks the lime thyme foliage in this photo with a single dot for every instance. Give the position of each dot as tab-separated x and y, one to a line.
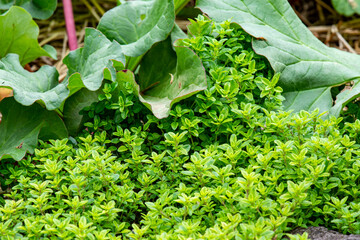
227	164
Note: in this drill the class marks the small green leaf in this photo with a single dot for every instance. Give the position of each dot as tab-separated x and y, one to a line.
18	34
137	25
20	127
29	87
89	65
347	8
40	9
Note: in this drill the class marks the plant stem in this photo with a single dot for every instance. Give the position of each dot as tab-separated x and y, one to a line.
180	4
70	24
133	62
59	112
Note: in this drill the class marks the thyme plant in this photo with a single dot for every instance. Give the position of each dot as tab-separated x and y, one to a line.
227	164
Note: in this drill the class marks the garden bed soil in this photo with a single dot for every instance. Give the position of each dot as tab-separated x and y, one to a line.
322	233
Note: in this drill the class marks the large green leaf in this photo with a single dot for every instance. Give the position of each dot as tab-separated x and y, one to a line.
18	34
73	105
347	7
309	69
166	77
137	25
20	127
29	87
40	9
345	97
89	65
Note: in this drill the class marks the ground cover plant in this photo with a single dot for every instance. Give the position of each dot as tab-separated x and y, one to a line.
227	162
226	166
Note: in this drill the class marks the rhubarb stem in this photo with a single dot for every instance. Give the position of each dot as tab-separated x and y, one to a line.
70	24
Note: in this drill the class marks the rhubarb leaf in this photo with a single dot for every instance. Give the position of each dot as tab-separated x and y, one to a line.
73	105
29	87
345	97
20	127
309	69
18	34
166	77
89	65
137	25
40	9
347	8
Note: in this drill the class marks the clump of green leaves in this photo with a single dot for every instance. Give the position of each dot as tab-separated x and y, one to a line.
240	84
107	49
309	69
227	164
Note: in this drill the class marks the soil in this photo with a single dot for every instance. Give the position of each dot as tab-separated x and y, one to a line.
321	233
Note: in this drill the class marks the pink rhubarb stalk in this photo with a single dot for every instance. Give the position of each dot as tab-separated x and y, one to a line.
70	24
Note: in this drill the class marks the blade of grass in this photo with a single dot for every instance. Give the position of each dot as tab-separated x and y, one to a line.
98	7
91	9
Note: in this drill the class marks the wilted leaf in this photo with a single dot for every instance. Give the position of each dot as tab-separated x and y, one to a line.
18	34
29	87
5	92
166	77
40	9
88	65
137	25
20	127
309	69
